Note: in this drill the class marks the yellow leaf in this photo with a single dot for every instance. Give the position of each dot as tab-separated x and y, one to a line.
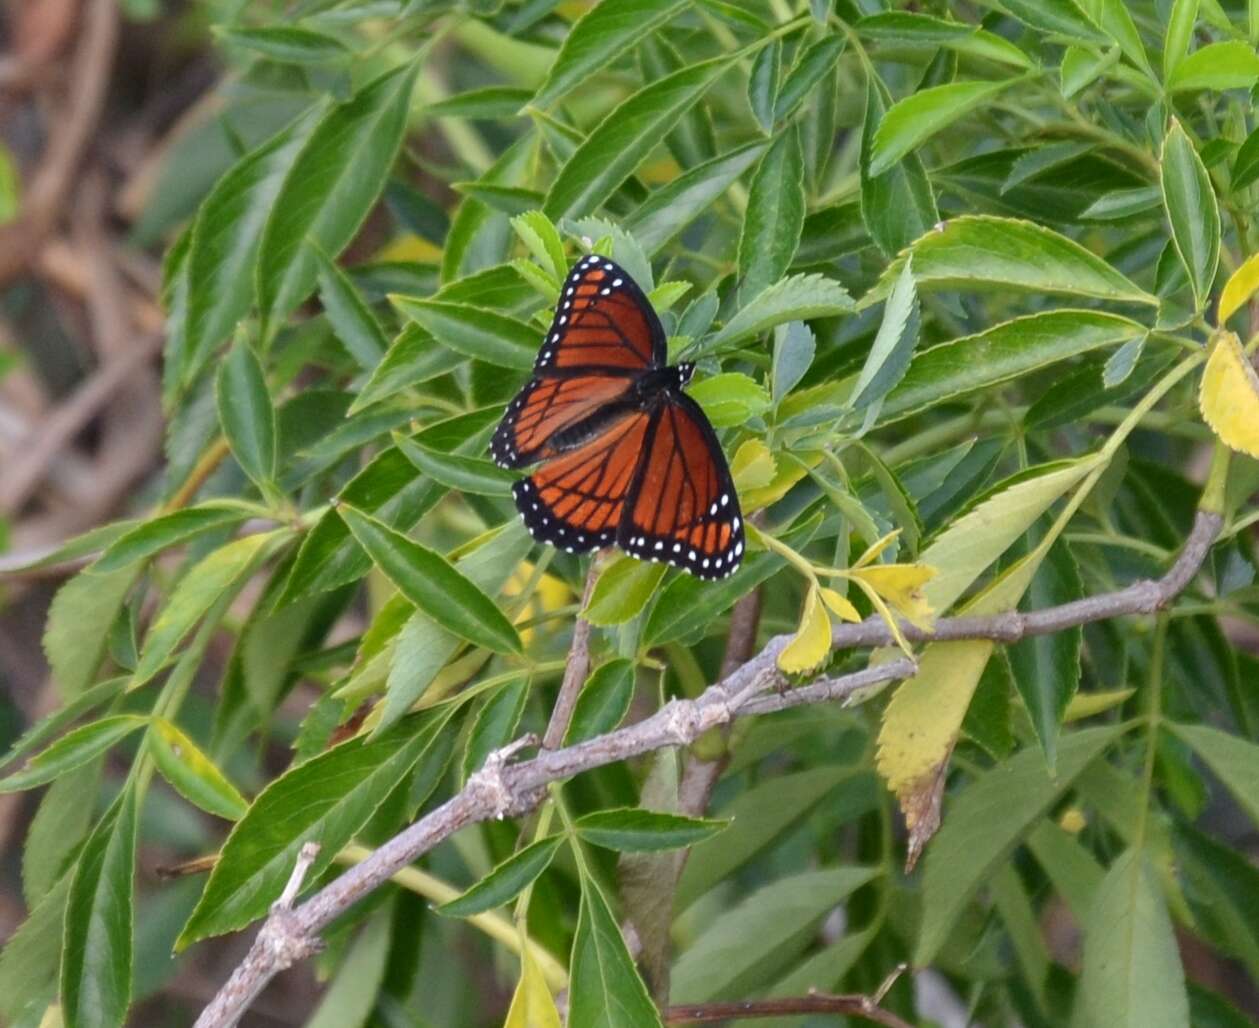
1229	396
753	466
840	606
876	548
1086	704
901	585
812	642
532	1006
924	715
788	473
1239	288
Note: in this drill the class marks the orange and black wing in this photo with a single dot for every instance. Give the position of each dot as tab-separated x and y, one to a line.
576	501
546	406
683	508
602	320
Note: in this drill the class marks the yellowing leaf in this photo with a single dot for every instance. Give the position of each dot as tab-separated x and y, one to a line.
1086	704
812	642
839	605
925	713
787	474
532	1006
1239	288
876	548
753	466
1229	396
901	585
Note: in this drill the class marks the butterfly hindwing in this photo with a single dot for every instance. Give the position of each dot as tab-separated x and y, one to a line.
683	507
577	500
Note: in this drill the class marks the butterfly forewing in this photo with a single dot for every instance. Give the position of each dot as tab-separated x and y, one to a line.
602	320
683	508
549	405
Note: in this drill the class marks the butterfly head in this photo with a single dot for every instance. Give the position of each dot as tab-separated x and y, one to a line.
685	370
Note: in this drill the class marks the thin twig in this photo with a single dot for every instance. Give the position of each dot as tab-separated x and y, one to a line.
797	1006
575	670
502	790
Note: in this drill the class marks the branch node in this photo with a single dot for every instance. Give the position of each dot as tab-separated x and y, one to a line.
488	784
305	857
683	722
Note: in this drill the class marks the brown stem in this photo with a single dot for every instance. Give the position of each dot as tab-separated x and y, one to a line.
575	670
850	1006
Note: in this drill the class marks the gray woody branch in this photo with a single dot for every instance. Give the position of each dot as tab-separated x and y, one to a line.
501	789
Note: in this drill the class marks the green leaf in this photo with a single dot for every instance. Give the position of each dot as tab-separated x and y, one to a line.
1002	353
774	216
891	350
1192	211
1234	761
424	647
605	990
325	800
225	240
1131	974
352	320
634	830
29	963
544	242
669	209
794	347
983	252
730	398
776	922
495	723
1047	667
763	84
351	996
927	31
204	585
414	358
794	298
624	139
1218	66
162	532
511	200
1113	18
693	140
474	331
597	38
986	821
429	581
246	413
622	591
467	474
766	812
1080	67
288	44
917	117
73	750
46	728
806	73
604	699
506	881
897	206
330	188
489	103
192	774
96	959
1058	17
962	552
79	622
1180	24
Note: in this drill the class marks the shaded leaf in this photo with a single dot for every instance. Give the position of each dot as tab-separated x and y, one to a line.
506	881
634	830
604	699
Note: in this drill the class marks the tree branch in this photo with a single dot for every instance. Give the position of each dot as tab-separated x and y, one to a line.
501	789
575	670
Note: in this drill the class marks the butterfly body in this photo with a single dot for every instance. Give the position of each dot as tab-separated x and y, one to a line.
625	456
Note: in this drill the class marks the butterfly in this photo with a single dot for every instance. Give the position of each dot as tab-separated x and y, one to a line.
624	455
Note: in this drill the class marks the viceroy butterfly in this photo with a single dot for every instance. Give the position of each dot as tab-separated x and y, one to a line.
625	455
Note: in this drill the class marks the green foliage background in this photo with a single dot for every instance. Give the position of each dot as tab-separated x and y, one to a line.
948	269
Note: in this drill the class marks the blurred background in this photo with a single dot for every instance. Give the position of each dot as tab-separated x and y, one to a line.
116	116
